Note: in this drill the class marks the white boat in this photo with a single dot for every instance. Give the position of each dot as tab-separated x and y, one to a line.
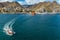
8	28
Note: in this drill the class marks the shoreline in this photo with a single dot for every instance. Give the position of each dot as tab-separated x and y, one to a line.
28	13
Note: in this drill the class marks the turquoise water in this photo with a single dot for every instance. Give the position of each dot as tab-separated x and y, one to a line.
28	27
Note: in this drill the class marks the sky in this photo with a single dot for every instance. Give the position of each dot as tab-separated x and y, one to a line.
29	2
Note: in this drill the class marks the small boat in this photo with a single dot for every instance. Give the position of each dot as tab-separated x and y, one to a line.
9	31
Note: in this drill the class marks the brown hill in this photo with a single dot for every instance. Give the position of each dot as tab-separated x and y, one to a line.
46	7
11	7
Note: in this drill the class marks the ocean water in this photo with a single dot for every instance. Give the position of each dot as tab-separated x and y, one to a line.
28	27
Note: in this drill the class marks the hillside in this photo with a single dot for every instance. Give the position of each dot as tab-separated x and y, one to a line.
10	7
46	7
15	7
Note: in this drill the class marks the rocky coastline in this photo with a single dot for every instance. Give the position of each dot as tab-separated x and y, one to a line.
42	7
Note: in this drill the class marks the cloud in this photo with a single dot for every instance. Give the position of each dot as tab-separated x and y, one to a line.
6	0
33	1
22	2
29	2
58	1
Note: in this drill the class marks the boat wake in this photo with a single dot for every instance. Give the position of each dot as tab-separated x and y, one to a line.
8	28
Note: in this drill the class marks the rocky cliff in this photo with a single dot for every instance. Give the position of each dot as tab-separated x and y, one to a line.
46	7
10	7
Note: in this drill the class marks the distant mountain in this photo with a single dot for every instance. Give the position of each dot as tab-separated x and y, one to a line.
26	6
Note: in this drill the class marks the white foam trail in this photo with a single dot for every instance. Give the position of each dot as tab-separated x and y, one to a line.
8	26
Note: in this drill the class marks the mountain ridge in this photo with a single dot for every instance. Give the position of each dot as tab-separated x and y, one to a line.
14	7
